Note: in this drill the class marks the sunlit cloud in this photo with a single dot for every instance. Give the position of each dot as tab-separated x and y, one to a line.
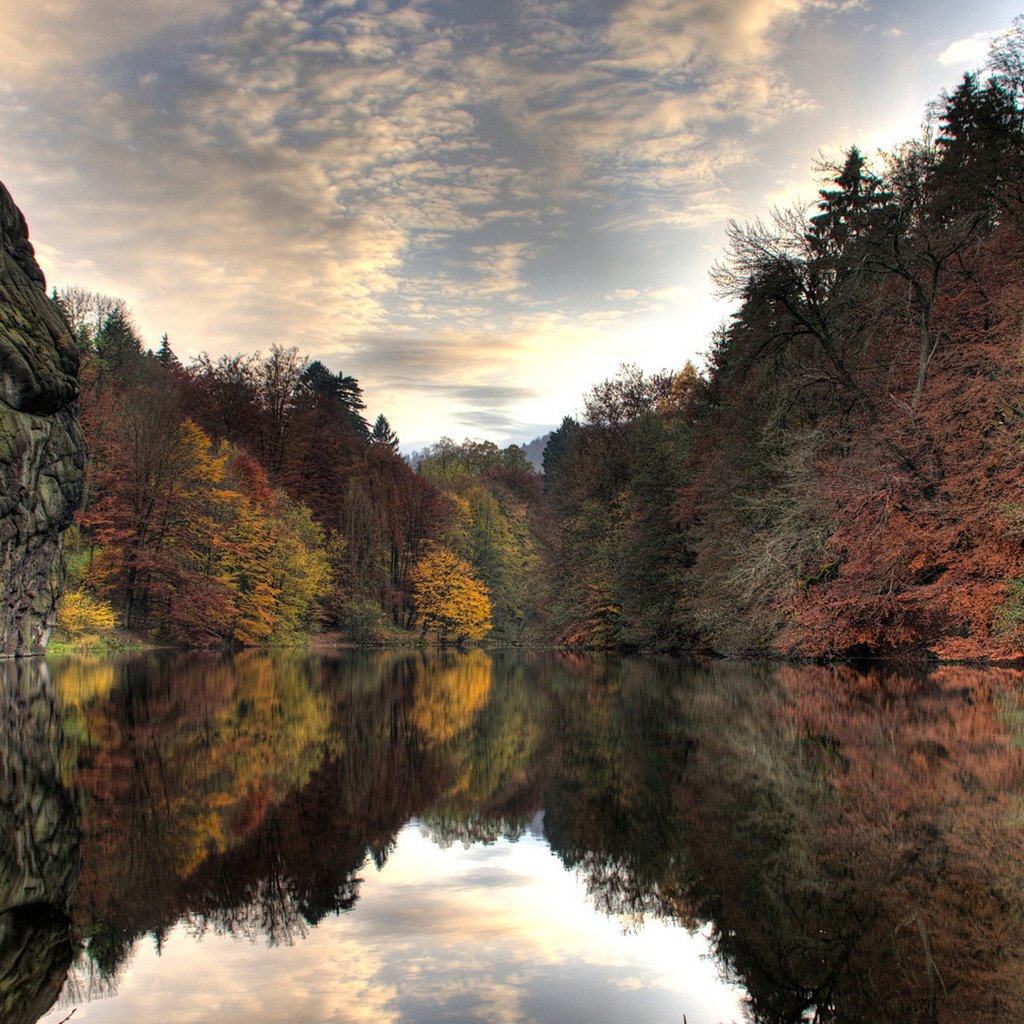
429	183
967	53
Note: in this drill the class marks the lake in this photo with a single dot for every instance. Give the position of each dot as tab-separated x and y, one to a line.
476	837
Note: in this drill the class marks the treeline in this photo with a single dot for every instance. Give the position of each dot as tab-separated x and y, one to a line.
842	479
247	500
846	478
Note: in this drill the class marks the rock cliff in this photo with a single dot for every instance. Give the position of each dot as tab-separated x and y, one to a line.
42	449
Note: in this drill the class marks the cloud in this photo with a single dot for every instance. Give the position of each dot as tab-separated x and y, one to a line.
378	183
969	52
639	93
500	268
48	40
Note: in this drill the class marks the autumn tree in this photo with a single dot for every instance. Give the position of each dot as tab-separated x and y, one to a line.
450	601
451	462
493	496
387	515
222	395
616	559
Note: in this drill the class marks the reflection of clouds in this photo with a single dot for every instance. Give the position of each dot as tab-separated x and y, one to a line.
489	934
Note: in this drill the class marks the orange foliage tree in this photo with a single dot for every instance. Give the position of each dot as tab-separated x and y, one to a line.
449	600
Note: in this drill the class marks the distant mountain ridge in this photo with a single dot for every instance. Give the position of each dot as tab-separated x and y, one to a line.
535	451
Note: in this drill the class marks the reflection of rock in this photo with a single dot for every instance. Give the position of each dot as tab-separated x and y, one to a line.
38	847
42	452
35	954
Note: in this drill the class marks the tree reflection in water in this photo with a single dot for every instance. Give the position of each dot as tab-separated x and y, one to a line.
855	837
850	839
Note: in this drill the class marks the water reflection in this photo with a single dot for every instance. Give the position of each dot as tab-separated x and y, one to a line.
38	846
861	836
850	841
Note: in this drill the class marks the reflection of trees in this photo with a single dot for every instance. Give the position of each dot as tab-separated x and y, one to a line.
303	862
38	846
492	786
610	807
851	840
179	759
245	794
857	841
450	689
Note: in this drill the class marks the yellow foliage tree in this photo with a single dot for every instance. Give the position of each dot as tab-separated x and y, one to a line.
449	599
274	562
243	566
451	688
80	614
299	566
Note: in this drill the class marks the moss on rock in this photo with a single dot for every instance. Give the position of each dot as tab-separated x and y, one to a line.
42	449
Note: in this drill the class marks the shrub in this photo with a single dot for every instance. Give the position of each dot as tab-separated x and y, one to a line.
81	614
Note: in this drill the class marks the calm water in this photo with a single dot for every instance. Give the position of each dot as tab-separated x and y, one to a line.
395	837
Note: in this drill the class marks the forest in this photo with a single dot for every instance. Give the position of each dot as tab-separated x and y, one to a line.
842	479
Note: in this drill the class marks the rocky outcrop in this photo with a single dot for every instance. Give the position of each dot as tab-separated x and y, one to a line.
42	449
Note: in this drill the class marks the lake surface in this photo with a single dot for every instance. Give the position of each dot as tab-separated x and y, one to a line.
473	837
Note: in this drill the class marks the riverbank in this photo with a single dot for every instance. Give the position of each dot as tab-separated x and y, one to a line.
124	641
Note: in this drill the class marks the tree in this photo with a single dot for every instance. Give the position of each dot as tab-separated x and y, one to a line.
223	397
449	463
80	614
558	455
118	343
278	379
86	312
386	515
165	355
449	600
846	212
980	147
299	568
344	390
924	241
383	434
621	399
501	552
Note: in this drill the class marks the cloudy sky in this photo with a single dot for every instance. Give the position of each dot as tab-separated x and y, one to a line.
479	208
500	934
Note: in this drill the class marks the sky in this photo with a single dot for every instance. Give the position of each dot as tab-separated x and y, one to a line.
479	208
501	934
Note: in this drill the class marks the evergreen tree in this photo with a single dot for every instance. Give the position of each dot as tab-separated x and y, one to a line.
118	343
383	434
344	390
165	355
980	151
844	211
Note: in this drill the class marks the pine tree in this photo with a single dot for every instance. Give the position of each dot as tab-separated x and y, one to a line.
383	434
165	355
